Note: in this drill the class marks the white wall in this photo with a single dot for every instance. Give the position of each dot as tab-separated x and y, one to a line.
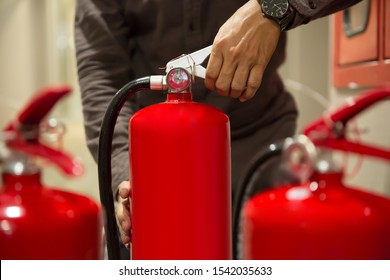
17	57
306	71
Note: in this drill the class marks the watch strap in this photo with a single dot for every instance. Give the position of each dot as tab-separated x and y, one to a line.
285	21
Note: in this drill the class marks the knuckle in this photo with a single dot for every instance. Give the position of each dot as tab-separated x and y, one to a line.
210	83
253	85
234	53
222	86
211	74
238	85
126	226
218	45
250	92
251	57
227	72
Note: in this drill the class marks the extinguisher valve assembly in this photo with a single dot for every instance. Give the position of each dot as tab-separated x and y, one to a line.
181	72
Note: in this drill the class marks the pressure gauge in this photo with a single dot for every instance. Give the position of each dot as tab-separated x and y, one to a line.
178	79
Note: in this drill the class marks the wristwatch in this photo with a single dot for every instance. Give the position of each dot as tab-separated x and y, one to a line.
279	10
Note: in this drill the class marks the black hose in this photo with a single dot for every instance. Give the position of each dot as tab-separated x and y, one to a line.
246	189
104	161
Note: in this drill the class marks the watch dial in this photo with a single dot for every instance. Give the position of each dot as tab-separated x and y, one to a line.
274	8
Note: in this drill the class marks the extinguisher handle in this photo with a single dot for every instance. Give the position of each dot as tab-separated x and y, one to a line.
39	106
25	128
191	62
329	130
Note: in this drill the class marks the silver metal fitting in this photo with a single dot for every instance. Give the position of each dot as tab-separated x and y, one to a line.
158	82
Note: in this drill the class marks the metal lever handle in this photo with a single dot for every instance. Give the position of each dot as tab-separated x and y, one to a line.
191	62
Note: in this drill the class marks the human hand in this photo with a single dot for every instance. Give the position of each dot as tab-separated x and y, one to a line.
241	51
122	212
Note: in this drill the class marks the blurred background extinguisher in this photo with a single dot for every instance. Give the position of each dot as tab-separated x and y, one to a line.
310	213
37	221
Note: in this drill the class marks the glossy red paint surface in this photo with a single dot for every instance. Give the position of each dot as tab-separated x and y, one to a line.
322	219
41	223
180	177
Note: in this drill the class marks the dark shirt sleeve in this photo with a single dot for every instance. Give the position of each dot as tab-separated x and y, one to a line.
308	10
101	39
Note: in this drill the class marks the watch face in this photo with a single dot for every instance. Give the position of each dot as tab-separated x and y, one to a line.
274	8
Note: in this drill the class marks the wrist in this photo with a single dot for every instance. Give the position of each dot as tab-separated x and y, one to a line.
280	11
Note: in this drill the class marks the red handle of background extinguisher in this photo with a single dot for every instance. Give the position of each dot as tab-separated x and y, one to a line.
25	128
329	130
40	105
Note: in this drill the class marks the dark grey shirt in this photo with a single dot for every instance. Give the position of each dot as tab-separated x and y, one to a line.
118	41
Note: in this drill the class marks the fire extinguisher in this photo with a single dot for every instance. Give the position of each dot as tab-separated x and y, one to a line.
318	217
179	153
38	222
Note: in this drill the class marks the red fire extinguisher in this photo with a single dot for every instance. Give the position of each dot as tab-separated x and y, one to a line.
318	217
179	153
38	222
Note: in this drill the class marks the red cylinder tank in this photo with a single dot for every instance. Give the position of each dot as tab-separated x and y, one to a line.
322	219
37	222
180	178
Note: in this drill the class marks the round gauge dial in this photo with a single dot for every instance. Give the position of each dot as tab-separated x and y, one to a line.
178	79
